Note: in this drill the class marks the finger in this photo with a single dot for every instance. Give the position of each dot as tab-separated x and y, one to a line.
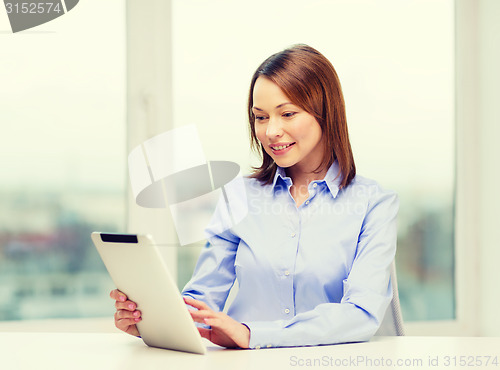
200	316
124	314
124	319
196	304
117	295
212	321
124	324
127	305
202	313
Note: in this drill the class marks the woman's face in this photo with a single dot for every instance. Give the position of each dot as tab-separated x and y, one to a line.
290	135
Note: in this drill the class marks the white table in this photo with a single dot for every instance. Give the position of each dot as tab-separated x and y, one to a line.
93	351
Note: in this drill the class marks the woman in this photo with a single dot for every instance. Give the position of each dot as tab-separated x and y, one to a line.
312	257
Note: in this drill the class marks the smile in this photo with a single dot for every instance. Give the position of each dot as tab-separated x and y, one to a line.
281	149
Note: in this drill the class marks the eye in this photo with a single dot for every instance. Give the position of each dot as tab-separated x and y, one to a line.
289	114
260	118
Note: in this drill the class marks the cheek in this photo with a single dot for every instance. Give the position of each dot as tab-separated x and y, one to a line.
303	133
260	132
310	131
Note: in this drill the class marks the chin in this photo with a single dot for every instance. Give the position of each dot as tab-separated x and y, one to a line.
284	164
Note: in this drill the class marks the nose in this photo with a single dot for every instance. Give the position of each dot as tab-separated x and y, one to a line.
274	128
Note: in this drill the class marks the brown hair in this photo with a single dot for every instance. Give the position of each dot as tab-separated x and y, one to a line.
309	80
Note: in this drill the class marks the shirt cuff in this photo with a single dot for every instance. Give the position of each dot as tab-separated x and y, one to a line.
265	334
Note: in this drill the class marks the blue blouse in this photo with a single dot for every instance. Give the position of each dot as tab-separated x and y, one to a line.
308	275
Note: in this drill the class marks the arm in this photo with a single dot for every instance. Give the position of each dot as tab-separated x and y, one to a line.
207	292
214	274
367	290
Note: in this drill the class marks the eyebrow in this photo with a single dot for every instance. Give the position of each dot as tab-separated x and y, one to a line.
278	106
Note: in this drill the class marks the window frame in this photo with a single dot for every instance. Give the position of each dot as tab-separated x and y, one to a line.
149	105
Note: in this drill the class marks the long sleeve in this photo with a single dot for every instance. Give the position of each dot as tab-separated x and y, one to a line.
367	290
214	274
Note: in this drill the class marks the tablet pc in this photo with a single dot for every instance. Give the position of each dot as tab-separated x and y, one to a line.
138	270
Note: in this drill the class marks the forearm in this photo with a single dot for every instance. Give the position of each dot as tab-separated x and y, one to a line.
328	323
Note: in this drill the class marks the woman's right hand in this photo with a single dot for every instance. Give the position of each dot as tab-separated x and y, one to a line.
126	315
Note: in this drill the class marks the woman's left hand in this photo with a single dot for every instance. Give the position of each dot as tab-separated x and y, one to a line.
225	331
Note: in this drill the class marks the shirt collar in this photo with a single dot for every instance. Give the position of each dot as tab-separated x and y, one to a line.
280	174
332	178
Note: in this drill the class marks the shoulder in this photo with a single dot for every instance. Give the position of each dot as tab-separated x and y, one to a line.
242	191
244	183
370	192
249	180
254	186
252	181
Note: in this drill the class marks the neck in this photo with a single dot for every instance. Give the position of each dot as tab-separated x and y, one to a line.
301	180
300	177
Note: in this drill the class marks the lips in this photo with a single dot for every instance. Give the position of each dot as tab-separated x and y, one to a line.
281	148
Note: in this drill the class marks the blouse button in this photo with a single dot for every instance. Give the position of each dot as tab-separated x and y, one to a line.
287	273
307	202
287	311
315	185
293	235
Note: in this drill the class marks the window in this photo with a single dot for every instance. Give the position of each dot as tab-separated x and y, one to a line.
63	138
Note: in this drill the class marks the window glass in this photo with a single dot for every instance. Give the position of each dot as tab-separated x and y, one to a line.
63	163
